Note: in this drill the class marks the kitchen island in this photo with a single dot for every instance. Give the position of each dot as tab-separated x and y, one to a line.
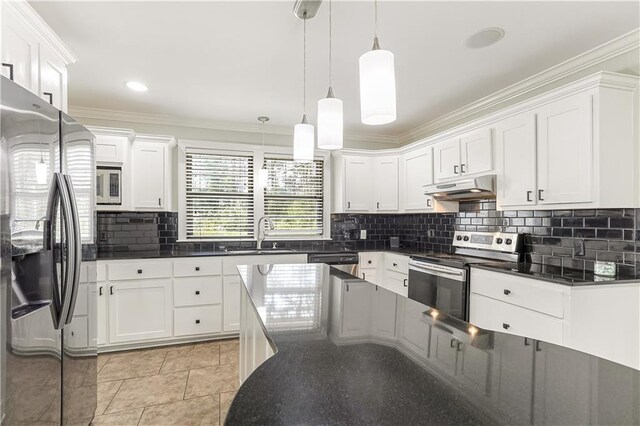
321	346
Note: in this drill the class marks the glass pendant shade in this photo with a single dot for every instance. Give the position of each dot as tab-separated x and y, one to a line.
377	87
330	123
303	142
41	172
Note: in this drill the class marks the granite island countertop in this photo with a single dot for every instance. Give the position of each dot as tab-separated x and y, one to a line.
351	352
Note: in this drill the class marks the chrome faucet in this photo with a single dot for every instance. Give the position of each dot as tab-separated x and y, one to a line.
267	222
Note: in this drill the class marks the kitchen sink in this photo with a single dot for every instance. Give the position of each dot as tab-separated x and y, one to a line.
263	251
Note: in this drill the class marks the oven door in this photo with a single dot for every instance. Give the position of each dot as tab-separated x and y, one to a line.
440	287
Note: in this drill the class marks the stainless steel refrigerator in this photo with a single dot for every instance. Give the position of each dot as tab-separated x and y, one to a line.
47	264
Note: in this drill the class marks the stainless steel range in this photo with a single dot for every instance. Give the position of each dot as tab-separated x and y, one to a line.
441	280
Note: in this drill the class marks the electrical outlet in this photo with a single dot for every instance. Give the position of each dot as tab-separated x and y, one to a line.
578	247
431	233
363	234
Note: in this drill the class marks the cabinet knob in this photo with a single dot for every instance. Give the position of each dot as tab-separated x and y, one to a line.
10	66
506	292
197	268
395	264
197	292
369	262
197	321
139	271
505	326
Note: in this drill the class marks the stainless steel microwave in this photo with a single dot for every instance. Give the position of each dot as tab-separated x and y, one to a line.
108	185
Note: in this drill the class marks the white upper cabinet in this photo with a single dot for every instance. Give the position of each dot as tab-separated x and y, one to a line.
386	183
358	176
416	173
446	159
151	173
565	168
476	152
516	147
33	56
469	154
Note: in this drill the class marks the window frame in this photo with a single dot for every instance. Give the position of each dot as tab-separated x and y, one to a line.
258	153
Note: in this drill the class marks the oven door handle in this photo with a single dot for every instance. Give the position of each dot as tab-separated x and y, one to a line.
452	275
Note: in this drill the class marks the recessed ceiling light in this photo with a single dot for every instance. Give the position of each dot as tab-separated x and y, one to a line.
137	86
485	37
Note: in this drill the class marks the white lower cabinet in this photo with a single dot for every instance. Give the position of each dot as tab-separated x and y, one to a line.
413	333
197	320
139	310
383	316
230	309
356	314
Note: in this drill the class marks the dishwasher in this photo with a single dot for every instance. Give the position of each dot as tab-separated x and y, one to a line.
346	261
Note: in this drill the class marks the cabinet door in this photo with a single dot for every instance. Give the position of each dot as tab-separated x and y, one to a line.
231	306
383	316
102	314
397	283
417	172
356	314
139	310
357	184
53	79
444	350
512	388
149	175
109	149
413	332
563	380
386	183
370	275
476	152
565	167
446	159
19	52
516	146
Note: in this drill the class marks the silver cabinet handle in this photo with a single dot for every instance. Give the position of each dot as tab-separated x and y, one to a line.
378	204
540	194
76	247
538	347
347	287
159	201
428	202
348	204
529	196
455	169
452	343
111	290
462	170
100	291
406	282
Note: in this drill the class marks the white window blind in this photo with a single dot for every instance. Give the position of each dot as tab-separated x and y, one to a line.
29	197
293	197
219	195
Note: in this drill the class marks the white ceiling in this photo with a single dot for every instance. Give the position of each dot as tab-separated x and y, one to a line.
233	60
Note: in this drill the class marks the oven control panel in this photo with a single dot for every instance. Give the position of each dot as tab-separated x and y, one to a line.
498	241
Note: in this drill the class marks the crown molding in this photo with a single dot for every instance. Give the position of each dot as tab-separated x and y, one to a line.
158	119
112	131
32	20
609	50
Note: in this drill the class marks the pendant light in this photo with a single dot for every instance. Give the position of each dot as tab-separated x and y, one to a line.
263	173
303	133
330	121
377	83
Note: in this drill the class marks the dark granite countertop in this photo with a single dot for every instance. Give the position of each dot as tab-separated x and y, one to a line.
351	352
556	274
120	255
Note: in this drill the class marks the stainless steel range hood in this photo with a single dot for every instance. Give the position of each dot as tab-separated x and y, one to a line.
478	188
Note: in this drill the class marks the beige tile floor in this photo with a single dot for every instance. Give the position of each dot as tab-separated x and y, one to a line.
174	385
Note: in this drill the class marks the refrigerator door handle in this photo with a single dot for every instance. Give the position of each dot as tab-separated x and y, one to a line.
53	201
68	266
76	246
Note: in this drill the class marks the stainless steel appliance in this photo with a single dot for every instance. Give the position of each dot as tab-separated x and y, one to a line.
47	290
345	261
441	280
477	188
108	185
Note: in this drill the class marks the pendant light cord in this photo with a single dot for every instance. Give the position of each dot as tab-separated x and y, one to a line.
375	12
304	66
330	43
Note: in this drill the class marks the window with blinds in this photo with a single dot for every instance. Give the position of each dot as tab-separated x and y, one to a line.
29	198
78	163
219	195
294	196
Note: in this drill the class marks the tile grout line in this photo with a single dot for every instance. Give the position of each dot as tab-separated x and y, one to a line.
186	383
113	397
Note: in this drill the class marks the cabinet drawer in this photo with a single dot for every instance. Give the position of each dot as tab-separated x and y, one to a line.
197	320
369	260
139	270
524	292
396	262
197	267
492	314
197	291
